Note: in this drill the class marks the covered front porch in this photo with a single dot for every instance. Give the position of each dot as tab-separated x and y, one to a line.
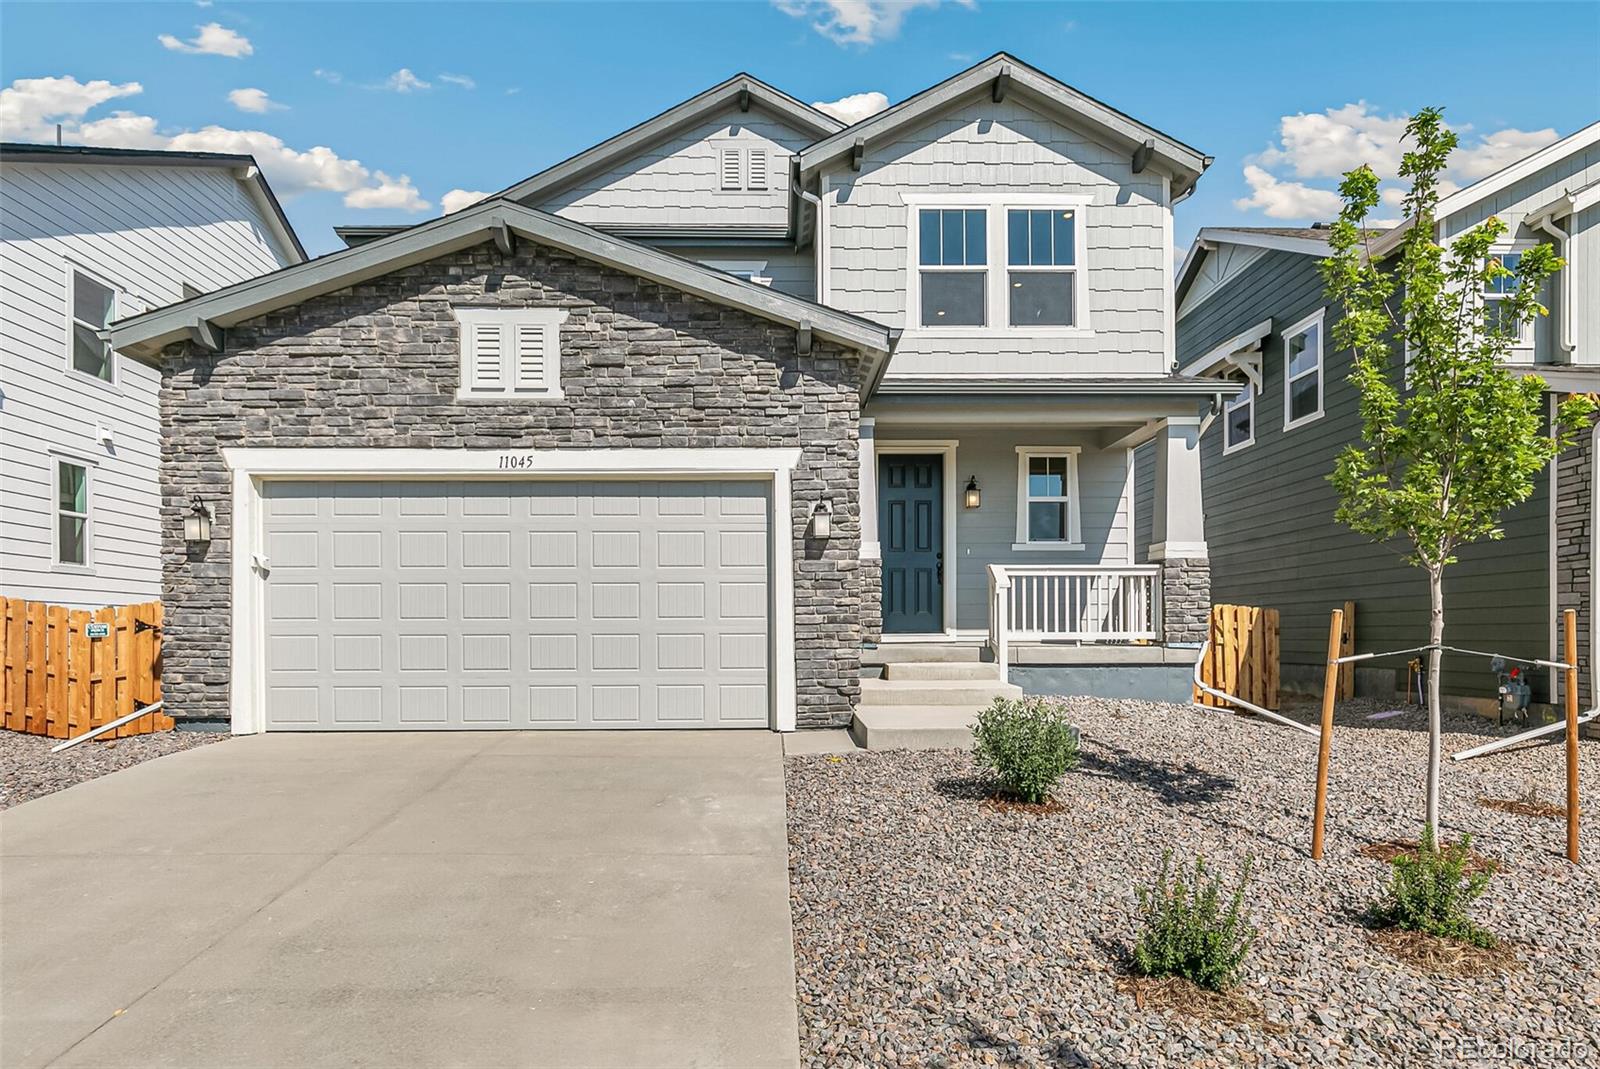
1053	535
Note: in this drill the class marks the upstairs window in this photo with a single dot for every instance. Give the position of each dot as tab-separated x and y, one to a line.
1041	253
1047	497
72	513
510	352
953	263
1302	372
92	305
1239	421
1498	315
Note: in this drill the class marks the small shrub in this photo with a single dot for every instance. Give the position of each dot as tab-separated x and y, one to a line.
1187	932
1430	889
1027	744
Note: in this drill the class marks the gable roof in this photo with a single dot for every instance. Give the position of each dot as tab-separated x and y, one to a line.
1305	240
1507	176
742	89
497	218
244	167
1002	73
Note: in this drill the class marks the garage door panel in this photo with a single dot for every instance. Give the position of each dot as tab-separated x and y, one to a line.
517	605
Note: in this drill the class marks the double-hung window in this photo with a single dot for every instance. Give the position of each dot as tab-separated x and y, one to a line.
1498	312
1047	497
1042	273
952	265
1239	421
72	513
1302	371
92	306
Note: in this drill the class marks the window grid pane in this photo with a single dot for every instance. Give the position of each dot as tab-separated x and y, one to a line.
953	299
1041	298
1302	397
1240	416
1047	521
91	302
929	237
72	487
1303	352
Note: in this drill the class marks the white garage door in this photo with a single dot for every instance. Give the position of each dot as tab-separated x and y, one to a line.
432	605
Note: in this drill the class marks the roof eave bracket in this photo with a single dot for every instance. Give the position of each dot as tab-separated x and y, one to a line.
1002	83
504	239
204	334
744	99
858	152
1143	154
802	338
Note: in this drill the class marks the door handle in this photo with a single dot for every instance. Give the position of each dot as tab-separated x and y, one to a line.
938	570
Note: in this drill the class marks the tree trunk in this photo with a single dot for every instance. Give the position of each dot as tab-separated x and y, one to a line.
1435	656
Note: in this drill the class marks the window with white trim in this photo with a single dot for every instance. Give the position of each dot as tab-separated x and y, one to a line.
72	513
510	352
1239	421
953	260
1498	311
1041	263
1303	346
1047	497
91	306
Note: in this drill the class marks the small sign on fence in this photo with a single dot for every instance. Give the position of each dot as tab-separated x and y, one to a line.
97	630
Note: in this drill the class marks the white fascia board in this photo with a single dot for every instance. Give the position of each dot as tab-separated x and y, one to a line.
1244	342
1513	173
145	335
382	463
1276	242
1033	83
636	138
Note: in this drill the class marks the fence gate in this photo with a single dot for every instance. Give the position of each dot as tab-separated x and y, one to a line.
65	671
1242	658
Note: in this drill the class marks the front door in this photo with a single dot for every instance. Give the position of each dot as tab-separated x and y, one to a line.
911	533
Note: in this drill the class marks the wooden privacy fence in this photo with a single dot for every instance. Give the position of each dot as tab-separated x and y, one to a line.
66	671
1242	658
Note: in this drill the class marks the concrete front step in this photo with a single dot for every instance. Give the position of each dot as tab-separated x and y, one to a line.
912	653
943	670
935	692
910	727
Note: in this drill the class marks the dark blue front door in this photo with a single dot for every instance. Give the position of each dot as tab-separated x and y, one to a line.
911	534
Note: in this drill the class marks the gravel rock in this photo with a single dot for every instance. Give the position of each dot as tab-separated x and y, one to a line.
29	770
933	931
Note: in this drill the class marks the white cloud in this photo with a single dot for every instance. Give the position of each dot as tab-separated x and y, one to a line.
1497	150
30	107
331	77
213	39
853	108
389	192
1286	200
857	22
404	81
457	199
254	101
462	80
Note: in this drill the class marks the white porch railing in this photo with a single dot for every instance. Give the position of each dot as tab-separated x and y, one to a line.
1069	603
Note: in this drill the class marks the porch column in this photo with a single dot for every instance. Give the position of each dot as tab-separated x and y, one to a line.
871	553
1178	532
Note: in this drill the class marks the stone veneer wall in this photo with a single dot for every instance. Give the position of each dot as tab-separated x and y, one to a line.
1574	507
377	365
872	600
1185	599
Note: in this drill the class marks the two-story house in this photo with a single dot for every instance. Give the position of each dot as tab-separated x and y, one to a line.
682	431
1251	308
88	236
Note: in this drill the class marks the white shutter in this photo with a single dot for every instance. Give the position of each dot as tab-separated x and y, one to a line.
730	168
488	356
532	356
758	169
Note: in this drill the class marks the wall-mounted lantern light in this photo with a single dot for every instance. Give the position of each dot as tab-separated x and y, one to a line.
822	520
974	495
197	523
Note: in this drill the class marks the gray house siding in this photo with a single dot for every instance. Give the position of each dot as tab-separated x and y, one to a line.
792	272
1144	501
1270	514
643	366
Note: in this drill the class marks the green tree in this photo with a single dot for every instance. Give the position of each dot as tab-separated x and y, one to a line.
1456	440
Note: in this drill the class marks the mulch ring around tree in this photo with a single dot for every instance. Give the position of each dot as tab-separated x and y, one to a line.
1526	806
1435	955
1389	849
1184	998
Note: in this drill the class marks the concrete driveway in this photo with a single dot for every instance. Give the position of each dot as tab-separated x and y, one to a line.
475	899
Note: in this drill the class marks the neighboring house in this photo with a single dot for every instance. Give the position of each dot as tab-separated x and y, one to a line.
678	432
88	236
1251	308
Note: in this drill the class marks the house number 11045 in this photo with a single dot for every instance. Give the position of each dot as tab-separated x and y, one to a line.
516	461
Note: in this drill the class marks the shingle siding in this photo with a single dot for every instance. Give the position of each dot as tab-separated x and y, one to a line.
1270	524
643	366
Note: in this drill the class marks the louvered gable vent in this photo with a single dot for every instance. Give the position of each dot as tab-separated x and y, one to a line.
758	168
508	352
731	175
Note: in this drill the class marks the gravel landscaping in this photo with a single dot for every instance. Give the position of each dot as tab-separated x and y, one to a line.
932	929
29	770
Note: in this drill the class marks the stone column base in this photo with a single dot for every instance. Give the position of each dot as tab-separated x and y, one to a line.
1185	599
871	601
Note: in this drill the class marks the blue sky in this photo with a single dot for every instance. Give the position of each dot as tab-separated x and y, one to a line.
374	112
